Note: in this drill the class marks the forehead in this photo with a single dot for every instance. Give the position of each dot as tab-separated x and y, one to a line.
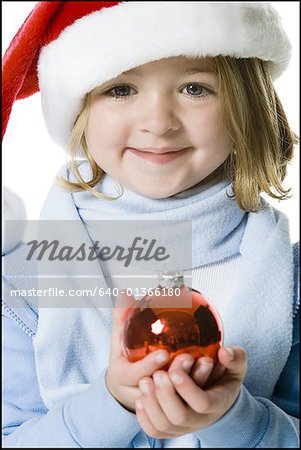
180	64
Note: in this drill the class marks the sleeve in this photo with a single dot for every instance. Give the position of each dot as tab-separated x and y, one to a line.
255	422
287	390
90	419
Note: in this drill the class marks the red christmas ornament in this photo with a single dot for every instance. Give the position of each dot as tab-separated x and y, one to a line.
173	317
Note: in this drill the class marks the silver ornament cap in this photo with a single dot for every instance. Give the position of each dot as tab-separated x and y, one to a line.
171	279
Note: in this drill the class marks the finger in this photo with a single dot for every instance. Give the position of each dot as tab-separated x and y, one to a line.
153	408
220	395
234	359
191	393
202	370
146	424
217	371
148	365
171	404
184	361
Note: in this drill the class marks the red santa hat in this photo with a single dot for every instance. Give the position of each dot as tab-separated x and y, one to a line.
65	49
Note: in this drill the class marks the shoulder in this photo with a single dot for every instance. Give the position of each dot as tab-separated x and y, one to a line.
59	202
82	166
273	217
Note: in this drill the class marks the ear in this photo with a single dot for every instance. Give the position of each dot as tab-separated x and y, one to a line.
13	208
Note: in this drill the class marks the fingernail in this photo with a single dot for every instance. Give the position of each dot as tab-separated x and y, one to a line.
187	364
230	352
205	367
144	386
161	357
176	378
158	379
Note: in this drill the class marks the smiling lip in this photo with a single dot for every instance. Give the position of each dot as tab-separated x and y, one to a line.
157	156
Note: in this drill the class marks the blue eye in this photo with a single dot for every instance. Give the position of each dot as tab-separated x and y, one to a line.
120	91
196	90
124	91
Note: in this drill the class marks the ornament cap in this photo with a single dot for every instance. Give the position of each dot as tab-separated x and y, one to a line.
171	279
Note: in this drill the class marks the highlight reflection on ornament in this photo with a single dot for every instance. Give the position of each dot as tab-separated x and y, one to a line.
162	322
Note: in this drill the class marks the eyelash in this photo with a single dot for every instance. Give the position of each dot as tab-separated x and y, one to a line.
110	92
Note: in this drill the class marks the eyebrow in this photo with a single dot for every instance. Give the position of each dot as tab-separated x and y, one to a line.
193	71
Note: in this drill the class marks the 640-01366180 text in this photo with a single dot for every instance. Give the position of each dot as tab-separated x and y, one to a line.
97	291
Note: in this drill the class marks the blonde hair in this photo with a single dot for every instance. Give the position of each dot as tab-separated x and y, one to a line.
263	141
78	143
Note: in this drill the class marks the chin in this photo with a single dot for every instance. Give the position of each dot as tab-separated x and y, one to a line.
160	195
152	193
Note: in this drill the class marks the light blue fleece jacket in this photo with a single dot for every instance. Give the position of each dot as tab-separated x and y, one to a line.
85	420
93	418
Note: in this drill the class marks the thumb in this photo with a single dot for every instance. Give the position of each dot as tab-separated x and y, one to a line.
234	359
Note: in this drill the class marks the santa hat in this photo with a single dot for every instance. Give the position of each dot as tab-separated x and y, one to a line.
65	49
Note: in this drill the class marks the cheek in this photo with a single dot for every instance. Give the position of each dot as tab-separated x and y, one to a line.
96	125
104	131
209	132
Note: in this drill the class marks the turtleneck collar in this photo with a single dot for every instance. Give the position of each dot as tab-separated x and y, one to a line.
217	222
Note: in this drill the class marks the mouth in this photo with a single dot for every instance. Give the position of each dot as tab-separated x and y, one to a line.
158	156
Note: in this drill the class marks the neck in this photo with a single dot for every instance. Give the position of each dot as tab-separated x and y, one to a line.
216	176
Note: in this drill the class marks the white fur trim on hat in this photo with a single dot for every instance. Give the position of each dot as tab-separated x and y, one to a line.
102	45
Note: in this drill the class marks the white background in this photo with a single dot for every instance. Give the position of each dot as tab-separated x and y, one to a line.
31	159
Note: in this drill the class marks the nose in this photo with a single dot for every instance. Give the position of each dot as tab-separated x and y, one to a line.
159	116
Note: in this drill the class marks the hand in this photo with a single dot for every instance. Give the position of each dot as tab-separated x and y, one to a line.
204	371
172	404
123	376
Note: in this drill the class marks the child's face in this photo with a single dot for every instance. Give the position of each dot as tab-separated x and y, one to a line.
135	120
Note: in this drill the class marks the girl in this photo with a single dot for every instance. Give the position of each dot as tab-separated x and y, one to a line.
174	104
